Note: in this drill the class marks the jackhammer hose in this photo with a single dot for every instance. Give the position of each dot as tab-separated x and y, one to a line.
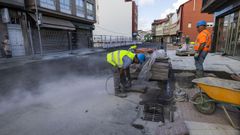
112	94
106	85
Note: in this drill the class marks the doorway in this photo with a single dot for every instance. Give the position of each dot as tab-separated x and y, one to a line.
16	39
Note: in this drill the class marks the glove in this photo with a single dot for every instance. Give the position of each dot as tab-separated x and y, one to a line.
196	56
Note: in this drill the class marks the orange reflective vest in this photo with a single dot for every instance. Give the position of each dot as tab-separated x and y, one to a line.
203	37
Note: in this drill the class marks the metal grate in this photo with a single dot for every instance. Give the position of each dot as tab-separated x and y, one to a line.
153	112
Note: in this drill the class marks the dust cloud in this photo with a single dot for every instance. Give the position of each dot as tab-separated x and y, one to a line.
48	81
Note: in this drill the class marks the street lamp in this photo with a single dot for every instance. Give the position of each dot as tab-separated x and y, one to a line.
38	27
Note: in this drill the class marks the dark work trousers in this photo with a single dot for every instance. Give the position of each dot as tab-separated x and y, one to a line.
120	81
199	64
3	52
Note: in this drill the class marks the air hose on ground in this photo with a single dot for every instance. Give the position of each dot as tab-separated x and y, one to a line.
106	85
112	94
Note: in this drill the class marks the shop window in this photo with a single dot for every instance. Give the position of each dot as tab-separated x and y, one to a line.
14	17
237	48
50	4
237	44
90	12
80	8
210	24
230	26
65	6
220	42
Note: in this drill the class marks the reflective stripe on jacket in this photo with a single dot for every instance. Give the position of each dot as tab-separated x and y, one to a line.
116	58
203	37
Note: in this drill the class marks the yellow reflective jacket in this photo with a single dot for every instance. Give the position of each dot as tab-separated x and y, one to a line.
116	58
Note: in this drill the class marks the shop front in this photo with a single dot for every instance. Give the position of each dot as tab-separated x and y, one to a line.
226	39
228	34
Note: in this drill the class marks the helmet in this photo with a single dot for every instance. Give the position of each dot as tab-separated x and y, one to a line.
201	23
141	57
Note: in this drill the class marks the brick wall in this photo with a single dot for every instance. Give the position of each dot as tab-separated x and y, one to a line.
190	16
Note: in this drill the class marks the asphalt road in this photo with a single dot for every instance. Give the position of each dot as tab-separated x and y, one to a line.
63	97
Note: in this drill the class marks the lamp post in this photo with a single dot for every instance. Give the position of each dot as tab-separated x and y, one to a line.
38	27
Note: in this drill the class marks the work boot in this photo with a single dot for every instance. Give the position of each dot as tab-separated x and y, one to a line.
128	85
120	94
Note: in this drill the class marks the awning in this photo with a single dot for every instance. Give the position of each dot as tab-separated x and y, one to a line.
50	22
83	26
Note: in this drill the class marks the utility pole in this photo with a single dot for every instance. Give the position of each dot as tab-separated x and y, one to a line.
70	42
38	27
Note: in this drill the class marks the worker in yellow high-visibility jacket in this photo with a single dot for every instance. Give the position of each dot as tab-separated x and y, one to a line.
121	61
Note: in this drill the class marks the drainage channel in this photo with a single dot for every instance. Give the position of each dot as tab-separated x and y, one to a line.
157	104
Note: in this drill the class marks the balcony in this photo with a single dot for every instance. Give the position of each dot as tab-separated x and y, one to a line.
66	9
210	6
13	3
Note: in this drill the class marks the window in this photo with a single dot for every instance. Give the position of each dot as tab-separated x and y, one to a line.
50	4
210	24
80	8
189	25
65	6
90	13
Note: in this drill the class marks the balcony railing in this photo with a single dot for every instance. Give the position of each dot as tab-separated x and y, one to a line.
77	9
107	41
209	6
16	3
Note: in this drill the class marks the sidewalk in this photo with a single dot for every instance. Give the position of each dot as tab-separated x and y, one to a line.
213	62
18	61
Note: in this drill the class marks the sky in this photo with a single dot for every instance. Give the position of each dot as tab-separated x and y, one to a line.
149	10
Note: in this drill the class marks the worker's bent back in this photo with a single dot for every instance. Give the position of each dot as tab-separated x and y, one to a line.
116	58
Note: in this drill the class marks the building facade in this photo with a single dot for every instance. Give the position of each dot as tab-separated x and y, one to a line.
157	29
165	29
144	36
189	14
64	24
43	26
13	22
173	29
116	21
226	37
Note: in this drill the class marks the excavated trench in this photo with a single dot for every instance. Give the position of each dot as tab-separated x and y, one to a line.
157	103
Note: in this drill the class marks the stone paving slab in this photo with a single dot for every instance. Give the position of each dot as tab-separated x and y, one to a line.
213	62
201	128
201	124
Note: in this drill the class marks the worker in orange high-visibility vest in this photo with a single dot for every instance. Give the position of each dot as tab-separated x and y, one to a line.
202	47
